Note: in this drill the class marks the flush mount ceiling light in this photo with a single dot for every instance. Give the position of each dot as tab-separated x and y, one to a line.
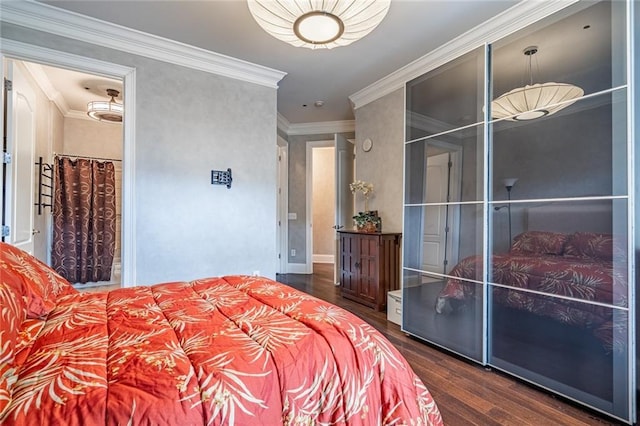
534	100
316	24
106	110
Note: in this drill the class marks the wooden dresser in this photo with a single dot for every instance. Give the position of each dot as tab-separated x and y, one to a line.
369	266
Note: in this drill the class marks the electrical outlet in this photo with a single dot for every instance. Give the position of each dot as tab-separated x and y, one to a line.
293	252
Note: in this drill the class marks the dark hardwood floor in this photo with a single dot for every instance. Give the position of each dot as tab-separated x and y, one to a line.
466	393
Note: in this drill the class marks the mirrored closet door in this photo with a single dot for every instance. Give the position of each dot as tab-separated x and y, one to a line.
517	210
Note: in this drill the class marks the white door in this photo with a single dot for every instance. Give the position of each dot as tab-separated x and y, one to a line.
344	197
435	217
283	164
19	185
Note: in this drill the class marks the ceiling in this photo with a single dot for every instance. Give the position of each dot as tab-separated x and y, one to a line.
411	29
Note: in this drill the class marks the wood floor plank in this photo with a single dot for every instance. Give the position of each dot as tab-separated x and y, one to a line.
466	392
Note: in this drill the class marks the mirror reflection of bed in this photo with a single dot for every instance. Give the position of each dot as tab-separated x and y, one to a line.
567	263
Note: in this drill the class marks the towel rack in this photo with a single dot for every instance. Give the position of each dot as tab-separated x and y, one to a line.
45	185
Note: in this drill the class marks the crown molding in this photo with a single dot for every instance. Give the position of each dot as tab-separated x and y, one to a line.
507	22
428	124
80	115
46	18
317	128
283	123
38	74
44	83
322	127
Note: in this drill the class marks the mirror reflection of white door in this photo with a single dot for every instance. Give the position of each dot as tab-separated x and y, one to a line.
21	134
435	216
344	198
441	222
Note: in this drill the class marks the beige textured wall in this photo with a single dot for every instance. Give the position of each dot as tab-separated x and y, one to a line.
92	138
324	190
382	121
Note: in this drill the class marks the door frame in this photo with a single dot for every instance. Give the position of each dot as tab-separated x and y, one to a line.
12	49
283	204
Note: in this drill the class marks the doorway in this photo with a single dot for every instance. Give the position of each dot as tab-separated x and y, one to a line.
323	189
12	49
333	166
320	203
45	119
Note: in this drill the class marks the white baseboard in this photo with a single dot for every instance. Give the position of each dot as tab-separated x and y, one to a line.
323	258
297	268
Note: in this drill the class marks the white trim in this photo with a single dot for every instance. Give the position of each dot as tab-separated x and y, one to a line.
56	58
128	222
283	123
298	268
429	124
283	204
80	115
27	52
316	128
323	258
323	127
517	17
50	19
38	74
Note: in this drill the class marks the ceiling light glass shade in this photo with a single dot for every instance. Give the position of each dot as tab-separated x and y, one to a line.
534	101
106	110
318	24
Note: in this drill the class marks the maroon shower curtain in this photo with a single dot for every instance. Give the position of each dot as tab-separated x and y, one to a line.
84	219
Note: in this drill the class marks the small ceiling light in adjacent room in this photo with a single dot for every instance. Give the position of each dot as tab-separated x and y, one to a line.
106	110
319	25
534	100
318	103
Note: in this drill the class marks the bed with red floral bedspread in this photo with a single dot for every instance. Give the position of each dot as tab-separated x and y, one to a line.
231	350
579	266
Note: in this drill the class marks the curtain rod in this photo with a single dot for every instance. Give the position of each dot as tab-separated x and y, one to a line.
86	157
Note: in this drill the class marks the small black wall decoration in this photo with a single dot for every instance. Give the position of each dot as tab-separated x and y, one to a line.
220	177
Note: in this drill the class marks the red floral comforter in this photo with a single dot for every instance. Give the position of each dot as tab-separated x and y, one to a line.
233	350
585	279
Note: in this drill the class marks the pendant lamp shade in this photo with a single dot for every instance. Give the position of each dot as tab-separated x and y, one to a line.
318	24
534	100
